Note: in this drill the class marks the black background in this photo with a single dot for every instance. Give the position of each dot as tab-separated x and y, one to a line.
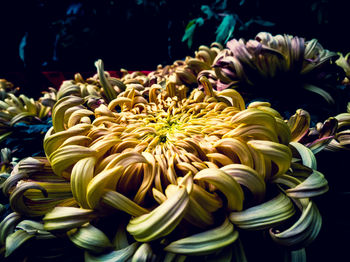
139	35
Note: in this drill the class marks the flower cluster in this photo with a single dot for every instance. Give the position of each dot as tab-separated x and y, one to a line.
145	166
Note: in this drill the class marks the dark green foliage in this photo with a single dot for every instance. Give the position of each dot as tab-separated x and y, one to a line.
222	18
26	139
190	28
226	28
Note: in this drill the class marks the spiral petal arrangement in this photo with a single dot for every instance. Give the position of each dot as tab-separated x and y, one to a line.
272	62
188	71
159	171
15	109
341	139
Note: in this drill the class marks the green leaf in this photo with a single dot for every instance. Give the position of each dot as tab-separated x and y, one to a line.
199	21
263	22
256	21
225	29
22	47
220	4
190	23
207	10
188	36
189	31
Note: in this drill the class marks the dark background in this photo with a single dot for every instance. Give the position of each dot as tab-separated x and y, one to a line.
66	35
